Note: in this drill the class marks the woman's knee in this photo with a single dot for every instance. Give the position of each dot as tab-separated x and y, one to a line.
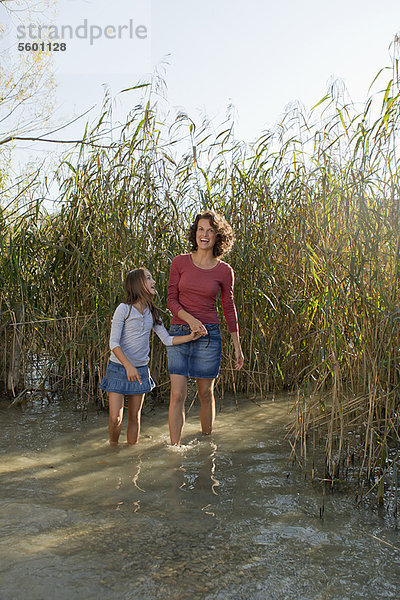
206	392
178	397
206	397
178	391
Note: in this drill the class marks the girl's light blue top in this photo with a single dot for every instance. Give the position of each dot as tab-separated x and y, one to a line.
132	334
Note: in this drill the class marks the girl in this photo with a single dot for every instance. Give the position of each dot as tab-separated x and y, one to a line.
195	281
127	371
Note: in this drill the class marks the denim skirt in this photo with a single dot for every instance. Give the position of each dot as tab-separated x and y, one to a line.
117	381
200	358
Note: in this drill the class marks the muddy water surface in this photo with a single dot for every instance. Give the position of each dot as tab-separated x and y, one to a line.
224	517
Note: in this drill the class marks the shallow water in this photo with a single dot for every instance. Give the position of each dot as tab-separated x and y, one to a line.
223	517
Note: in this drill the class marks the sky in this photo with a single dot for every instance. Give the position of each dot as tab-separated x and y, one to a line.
253	58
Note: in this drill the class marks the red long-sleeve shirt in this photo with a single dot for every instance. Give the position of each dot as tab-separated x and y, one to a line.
195	290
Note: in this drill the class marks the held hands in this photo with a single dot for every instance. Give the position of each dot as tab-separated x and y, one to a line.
133	374
195	335
184	339
197	327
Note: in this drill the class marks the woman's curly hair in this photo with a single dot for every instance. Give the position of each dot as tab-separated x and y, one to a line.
225	238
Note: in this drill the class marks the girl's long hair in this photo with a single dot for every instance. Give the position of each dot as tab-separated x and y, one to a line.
135	289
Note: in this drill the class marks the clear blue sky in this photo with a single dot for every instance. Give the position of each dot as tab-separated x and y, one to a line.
262	55
257	55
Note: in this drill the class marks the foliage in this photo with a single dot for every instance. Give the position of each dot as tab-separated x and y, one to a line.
315	208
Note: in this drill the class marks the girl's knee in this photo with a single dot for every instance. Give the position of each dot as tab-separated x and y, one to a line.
135	405
115	420
134	415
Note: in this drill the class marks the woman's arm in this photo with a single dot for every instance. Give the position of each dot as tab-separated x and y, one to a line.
173	300
195	325
238	350
228	303
173	292
230	313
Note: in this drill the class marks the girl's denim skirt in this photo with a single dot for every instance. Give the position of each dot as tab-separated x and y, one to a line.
117	381
200	358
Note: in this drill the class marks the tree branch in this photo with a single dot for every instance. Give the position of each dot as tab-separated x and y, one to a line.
39	139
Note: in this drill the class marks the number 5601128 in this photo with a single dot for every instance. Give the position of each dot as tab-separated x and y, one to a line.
36	46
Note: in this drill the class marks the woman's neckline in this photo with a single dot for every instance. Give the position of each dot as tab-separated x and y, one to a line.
201	268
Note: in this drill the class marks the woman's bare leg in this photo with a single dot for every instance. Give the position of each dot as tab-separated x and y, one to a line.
177	408
116	411
135	403
205	388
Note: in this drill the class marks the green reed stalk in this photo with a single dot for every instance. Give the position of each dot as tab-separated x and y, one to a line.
315	209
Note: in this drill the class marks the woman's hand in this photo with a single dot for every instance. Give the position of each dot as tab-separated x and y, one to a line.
239	357
239	362
197	326
133	374
194	324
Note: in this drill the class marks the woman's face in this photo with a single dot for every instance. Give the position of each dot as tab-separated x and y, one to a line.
149	283
205	235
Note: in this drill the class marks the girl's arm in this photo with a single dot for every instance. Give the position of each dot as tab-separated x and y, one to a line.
131	372
168	340
182	339
117	326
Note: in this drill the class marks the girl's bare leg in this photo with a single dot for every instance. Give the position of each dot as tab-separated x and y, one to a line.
205	388
177	408
135	404
116	411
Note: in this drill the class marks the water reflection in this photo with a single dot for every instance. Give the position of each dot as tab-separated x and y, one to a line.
192	475
136	476
222	517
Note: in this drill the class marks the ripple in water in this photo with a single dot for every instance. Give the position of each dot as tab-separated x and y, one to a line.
221	517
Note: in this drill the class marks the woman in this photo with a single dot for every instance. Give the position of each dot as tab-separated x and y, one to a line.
195	280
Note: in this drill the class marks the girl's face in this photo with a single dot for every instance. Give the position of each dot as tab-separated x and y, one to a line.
149	283
205	235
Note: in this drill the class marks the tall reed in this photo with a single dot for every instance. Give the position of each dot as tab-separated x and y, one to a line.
315	208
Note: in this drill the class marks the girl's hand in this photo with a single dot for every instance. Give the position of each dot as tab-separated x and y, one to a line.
133	374
197	326
239	359
195	335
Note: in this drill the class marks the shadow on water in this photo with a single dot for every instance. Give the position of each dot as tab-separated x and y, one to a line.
222	517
